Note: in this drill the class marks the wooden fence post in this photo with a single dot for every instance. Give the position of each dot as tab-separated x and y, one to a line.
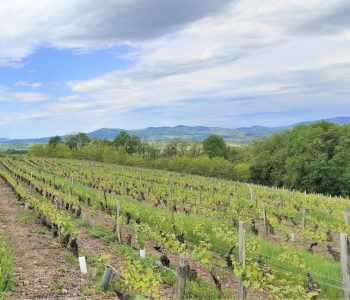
181	276
241	254
250	191
346	217
344	264
264	218
303	218
117	216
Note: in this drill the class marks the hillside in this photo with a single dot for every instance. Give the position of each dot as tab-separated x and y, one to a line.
242	135
290	247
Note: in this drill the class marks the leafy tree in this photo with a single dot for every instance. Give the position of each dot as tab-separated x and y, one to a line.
314	158
214	145
131	143
172	148
55	140
195	149
77	141
38	150
101	142
60	150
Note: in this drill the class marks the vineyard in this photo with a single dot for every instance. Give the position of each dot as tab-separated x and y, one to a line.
163	235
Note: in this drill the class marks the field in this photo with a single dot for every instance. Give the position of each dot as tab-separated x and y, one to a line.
14	148
54	210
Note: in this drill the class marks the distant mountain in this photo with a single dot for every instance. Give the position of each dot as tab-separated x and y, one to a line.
241	135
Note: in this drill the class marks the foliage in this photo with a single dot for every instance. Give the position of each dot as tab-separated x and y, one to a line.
77	141
6	267
55	140
142	279
214	145
130	143
314	158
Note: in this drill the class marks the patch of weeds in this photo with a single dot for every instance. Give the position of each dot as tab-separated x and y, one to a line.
7	280
200	289
103	234
27	217
88	290
70	258
41	230
62	269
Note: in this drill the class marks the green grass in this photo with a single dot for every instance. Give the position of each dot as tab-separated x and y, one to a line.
6	267
27	217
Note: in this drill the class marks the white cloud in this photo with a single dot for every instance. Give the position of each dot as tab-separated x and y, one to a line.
26	24
34	85
220	63
30	97
241	52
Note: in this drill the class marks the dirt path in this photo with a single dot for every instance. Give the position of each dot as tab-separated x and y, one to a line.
43	269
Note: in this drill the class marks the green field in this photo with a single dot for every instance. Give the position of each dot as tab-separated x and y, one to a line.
158	207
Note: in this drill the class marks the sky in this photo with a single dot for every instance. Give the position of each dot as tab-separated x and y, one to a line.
80	65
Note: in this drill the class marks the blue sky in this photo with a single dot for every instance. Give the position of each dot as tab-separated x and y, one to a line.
79	65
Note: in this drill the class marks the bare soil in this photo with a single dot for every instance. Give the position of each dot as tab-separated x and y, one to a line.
43	269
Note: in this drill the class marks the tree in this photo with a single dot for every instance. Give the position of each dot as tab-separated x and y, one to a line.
313	158
131	143
77	141
214	145
38	150
55	140
172	148
195	149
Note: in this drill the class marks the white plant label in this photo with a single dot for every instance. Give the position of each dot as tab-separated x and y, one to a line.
82	263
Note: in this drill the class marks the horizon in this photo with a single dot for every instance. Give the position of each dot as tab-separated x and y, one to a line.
136	64
179	125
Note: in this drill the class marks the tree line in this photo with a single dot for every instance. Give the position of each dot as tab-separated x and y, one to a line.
313	158
211	157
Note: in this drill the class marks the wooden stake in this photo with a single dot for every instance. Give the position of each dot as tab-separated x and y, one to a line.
181	276
241	253
303	219
117	215
264	218
344	264
346	217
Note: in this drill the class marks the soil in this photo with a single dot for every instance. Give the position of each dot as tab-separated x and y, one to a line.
42	266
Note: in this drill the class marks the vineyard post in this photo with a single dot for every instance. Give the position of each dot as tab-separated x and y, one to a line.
346	217
264	218
181	276
117	215
303	220
344	264
250	191
241	253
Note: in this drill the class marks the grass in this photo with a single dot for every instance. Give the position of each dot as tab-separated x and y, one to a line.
7	281
28	217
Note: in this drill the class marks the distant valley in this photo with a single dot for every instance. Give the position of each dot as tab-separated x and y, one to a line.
243	135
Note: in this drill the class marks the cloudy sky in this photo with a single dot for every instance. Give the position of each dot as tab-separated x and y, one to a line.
79	65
